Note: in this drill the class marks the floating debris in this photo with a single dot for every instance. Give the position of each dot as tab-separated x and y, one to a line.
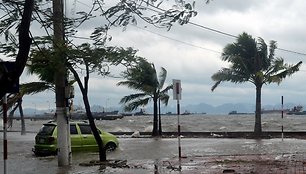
108	163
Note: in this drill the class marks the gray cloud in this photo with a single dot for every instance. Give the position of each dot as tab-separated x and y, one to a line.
272	20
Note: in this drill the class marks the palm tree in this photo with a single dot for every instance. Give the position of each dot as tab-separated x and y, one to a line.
15	100
45	72
143	78
251	61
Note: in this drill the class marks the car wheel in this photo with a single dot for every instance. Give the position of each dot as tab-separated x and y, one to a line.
110	146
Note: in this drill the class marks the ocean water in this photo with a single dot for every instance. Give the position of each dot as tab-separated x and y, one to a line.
190	123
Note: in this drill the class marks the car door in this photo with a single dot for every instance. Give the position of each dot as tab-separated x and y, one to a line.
88	140
75	137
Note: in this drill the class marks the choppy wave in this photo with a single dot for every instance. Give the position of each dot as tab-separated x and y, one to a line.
191	123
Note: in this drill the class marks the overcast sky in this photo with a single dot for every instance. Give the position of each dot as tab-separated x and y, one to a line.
192	54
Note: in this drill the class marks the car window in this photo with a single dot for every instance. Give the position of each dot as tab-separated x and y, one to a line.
47	129
85	129
73	129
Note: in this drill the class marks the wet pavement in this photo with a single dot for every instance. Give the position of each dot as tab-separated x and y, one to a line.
154	155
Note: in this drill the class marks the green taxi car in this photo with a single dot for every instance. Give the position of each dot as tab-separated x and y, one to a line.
81	137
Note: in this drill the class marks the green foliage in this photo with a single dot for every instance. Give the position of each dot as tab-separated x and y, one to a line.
92	57
10	22
252	61
41	63
143	78
35	87
128	12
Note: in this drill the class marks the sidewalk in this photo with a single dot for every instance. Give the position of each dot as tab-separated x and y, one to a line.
242	164
234	164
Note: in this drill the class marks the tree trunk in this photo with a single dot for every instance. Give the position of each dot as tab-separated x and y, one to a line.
102	150
257	128
25	41
11	117
159	120
155	120
23	128
84	90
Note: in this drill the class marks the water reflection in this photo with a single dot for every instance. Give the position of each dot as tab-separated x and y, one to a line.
102	169
63	170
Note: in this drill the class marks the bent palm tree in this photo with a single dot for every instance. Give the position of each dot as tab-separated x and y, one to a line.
15	100
45	73
143	78
251	61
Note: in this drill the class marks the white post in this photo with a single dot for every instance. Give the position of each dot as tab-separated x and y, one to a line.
177	95
63	137
4	133
60	84
282	118
179	129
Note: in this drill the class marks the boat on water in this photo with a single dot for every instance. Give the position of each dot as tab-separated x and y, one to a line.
111	115
274	111
238	113
297	110
141	112
186	113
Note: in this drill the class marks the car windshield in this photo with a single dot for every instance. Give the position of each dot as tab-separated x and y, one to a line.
47	129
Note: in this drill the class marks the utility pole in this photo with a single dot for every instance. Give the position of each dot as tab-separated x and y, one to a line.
63	128
4	109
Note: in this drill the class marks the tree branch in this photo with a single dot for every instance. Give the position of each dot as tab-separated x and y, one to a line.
8	79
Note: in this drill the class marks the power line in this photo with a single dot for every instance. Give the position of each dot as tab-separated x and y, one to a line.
197	25
213	30
219	31
177	40
183	42
303	54
230	35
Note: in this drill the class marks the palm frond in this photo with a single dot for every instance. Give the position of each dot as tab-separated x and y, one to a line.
277	65
272	48
229	74
35	87
215	85
132	84
135	104
164	98
165	90
287	70
162	77
143	78
131	97
262	47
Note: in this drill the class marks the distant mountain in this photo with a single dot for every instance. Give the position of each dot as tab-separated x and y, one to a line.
209	109
223	109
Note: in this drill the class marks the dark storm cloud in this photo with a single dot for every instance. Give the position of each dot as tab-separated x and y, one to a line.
196	61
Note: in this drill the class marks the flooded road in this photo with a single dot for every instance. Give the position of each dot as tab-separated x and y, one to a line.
144	151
